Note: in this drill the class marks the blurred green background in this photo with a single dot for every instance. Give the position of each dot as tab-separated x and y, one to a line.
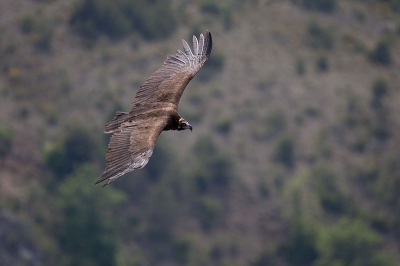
294	158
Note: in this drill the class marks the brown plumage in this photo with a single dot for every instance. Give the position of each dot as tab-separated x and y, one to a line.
154	109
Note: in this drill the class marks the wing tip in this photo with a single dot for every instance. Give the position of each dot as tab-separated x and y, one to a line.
208	43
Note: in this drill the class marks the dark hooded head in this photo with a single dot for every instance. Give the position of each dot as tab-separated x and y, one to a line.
183	124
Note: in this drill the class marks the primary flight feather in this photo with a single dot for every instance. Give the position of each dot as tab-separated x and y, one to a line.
154	109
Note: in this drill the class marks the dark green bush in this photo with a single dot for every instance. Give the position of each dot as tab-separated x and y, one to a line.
319	37
77	148
208	210
326	6
380	89
27	23
210	6
152	19
327	189
44	30
86	230
182	249
223	126
284	151
271	125
265	257
5	140
322	64
351	243
381	54
54	158
214	168
301	247
300	67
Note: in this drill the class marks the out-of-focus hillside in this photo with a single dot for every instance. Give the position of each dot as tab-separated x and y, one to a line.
294	157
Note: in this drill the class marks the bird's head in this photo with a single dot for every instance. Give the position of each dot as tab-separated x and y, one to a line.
183	124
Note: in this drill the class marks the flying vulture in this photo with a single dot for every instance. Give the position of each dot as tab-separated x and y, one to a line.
154	109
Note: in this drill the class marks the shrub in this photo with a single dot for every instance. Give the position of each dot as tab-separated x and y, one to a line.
381	54
210	6
54	158
86	234
265	257
330	195
301	247
182	249
322	64
380	88
208	210
44	30
284	152
5	140
76	149
214	169
41	30
319	37
271	125
27	23
300	67
223	126
327	6
152	19
351	243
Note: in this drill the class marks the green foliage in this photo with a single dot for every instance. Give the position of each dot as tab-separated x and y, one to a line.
210	6
27	23
381	54
86	230
266	257
54	158
326	6
77	148
301	247
380	89
271	125
330	195
319	37
40	29
214	168
152	19
182	249
6	139
283	151
351	243
322	64
44	30
160	216
224	125
300	67
209	211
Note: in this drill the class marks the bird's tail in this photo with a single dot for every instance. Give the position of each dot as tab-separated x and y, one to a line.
116	122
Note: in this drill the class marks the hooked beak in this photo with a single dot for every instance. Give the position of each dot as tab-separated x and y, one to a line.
188	126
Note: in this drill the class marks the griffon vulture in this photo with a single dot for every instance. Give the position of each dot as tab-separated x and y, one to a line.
154	109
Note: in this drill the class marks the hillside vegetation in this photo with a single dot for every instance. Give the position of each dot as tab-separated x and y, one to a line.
294	158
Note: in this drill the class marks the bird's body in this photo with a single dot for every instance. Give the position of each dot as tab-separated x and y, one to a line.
154	109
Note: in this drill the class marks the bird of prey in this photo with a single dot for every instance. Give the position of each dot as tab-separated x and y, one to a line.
154	109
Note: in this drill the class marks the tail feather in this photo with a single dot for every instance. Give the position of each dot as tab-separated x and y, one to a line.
114	123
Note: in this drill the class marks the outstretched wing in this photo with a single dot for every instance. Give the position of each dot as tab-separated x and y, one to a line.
168	83
131	146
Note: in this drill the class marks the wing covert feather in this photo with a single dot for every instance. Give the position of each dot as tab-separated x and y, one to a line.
131	147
